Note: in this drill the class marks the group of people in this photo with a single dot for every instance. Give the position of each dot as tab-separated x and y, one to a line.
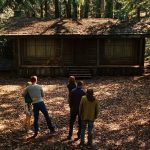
82	104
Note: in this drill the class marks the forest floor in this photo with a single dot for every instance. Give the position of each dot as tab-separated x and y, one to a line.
123	121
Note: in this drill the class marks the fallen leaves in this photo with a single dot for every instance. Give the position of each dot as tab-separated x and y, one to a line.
123	120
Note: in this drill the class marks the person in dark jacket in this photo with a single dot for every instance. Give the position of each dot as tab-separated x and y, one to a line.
75	98
71	85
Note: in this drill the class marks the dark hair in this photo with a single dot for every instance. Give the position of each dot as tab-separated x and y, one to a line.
80	83
89	95
72	79
33	79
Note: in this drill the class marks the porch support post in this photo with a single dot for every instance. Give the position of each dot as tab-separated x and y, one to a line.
142	51
18	49
97	53
62	51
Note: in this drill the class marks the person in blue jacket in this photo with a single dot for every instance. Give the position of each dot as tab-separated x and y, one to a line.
75	98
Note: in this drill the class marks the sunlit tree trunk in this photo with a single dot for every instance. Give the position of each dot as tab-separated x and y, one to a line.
102	8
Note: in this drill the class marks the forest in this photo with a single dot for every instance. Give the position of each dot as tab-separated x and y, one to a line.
77	9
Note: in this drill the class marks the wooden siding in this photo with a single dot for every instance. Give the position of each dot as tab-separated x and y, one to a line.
41	52
68	47
120	52
80	52
52	57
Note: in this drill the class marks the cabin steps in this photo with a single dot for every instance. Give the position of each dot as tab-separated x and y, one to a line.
80	73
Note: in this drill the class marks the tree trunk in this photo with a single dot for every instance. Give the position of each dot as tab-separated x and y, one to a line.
98	9
86	9
109	9
41	7
138	13
74	9
102	8
46	8
68	8
57	11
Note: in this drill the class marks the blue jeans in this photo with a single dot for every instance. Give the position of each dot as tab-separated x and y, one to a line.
90	131
41	107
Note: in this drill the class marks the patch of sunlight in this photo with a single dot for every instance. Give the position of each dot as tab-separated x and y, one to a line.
59	112
113	126
59	99
9	88
6	105
142	121
2	127
49	88
141	143
119	142
107	93
110	142
131	138
148	107
66	107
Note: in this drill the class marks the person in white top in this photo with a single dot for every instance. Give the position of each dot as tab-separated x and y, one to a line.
36	93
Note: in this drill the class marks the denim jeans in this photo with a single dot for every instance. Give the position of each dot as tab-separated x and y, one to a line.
90	131
41	107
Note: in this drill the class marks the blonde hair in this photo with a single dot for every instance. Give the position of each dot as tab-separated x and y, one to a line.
28	83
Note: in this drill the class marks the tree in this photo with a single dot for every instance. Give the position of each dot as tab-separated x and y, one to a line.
109	9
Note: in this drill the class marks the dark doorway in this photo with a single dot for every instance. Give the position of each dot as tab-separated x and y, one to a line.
85	52
6	55
80	53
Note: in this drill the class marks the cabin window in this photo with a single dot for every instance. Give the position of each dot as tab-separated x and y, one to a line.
123	51
42	51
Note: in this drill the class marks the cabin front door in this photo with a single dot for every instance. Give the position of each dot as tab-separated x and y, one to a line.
80	53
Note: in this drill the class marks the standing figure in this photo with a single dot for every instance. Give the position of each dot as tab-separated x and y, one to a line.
36	93
88	111
74	103
71	85
27	109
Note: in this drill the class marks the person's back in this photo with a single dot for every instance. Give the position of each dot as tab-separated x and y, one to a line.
89	109
76	95
75	99
35	92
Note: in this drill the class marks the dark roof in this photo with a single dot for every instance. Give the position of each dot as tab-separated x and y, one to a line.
91	26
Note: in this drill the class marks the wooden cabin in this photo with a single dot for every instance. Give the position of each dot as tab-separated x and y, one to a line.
66	47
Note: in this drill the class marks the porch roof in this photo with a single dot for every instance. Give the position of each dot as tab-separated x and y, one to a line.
93	26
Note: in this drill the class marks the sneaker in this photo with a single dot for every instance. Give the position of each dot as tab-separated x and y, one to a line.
35	133
89	145
52	131
68	137
81	144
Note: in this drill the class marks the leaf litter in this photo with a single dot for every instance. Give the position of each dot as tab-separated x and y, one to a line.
123	121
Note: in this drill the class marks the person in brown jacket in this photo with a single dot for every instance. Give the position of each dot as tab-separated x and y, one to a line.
88	111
